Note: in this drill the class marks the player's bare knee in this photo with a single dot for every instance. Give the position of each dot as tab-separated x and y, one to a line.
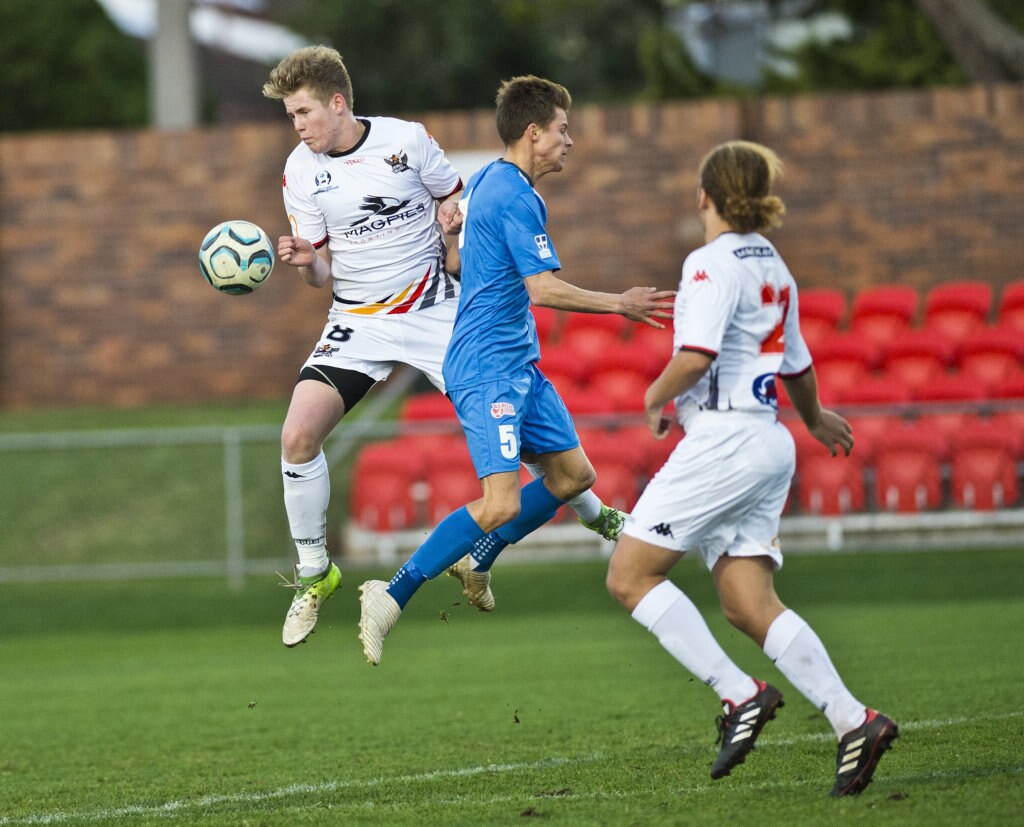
625	584
299	446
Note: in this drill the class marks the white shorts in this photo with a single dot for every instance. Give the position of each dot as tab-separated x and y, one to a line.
373	345
721	491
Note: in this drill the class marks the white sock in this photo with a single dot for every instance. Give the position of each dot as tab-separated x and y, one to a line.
671	616
307	490
587	505
800	655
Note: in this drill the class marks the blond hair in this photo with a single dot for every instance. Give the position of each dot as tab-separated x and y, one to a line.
738	177
319	69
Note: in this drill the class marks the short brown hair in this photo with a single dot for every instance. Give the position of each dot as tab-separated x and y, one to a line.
528	99
738	177
319	69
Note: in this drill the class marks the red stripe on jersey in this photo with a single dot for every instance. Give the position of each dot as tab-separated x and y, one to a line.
406	306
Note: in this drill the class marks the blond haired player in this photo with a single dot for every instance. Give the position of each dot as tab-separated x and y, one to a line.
722	490
361	195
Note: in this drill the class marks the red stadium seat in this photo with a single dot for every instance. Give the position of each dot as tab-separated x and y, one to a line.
984	468
992	355
588	345
548	321
908	469
584	401
622	389
916	357
635	356
830	485
383	487
1011	307
844	360
950	402
656	340
822	310
451	485
611	322
618	485
1011	387
951	387
879	313
957	308
874	406
432	405
563	368
393	454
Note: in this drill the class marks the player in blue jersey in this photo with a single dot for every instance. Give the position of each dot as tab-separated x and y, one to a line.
508	410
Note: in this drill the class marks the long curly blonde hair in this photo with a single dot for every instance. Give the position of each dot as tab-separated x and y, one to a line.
738	177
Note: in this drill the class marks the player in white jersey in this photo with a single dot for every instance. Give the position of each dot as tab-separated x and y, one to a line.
722	490
361	195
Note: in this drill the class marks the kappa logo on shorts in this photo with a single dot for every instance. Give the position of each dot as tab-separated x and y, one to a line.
543	248
500	409
664	529
325	350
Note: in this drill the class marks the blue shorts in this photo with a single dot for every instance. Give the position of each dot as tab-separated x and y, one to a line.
507	416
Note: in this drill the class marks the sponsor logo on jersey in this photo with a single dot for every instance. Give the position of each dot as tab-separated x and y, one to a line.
754	252
383	212
700	275
325	350
764	390
500	409
543	248
398	163
382	206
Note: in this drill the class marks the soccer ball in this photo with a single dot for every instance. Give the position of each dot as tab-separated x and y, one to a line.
236	257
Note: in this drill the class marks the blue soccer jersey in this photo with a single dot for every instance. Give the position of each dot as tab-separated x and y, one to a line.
503	240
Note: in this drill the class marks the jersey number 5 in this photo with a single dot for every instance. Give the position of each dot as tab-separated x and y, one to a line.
509	443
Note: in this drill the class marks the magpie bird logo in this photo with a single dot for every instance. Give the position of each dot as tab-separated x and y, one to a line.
379	206
398	163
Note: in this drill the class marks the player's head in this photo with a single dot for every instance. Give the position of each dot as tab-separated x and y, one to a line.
738	178
527	100
317	69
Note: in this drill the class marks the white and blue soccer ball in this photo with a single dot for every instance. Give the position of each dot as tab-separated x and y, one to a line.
236	257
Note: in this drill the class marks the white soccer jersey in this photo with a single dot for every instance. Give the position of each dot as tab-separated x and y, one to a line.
737	302
374	206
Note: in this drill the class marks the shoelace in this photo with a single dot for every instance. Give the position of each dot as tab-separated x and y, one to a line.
292	583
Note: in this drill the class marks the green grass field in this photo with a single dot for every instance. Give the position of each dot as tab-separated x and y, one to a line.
156	702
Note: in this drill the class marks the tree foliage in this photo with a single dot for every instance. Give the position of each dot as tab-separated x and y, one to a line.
411	55
893	45
66	66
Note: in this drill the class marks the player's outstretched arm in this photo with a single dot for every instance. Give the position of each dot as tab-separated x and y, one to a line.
641	304
314	265
828	427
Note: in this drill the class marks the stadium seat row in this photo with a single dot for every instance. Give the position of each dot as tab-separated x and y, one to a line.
955	309
928	463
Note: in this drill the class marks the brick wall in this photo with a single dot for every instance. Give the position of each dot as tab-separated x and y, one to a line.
101	301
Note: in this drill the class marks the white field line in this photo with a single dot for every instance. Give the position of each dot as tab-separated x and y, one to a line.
182	807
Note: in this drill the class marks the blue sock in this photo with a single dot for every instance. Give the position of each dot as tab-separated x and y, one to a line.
486	550
405	583
447	544
537	506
